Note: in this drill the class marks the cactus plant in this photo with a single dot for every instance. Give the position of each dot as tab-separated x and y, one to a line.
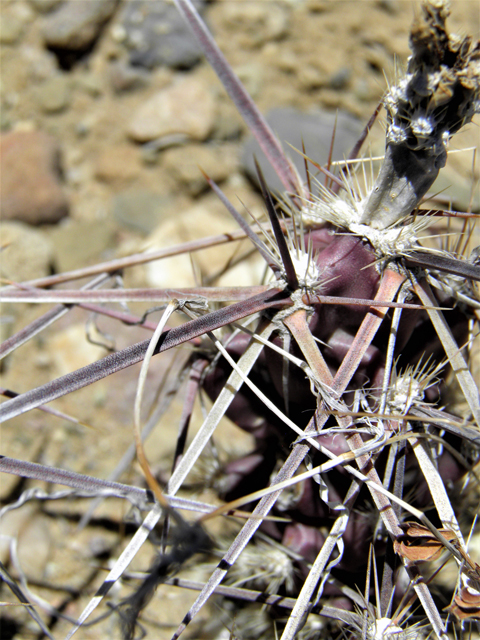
338	368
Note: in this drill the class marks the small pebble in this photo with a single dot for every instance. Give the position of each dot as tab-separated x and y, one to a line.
340	79
124	78
228	123
208	217
15	16
389	6
90	83
54	95
41	64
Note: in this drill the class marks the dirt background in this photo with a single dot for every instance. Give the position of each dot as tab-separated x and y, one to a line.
125	194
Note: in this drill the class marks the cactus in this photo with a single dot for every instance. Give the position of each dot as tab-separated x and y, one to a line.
338	368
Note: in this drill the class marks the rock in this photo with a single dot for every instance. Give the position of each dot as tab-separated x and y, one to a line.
75	25
389	6
30	178
54	95
35	547
315	128
14	18
125	78
255	23
251	76
156	34
201	220
81	242
186	107
184	164
150	152
90	83
228	123
44	6
139	209
11	526
340	79
117	164
70	349
27	252
40	63
11	28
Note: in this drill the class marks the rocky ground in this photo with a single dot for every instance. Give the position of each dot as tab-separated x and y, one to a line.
107	112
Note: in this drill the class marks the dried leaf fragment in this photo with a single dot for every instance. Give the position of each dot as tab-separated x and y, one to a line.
418	544
466	605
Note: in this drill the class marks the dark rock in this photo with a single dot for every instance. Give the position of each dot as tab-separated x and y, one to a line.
156	34
316	130
340	79
31	178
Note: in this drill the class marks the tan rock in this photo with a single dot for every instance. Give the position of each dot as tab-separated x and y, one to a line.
117	164
11	28
75	25
54	95
11	526
187	107
71	350
197	222
27	253
35	547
